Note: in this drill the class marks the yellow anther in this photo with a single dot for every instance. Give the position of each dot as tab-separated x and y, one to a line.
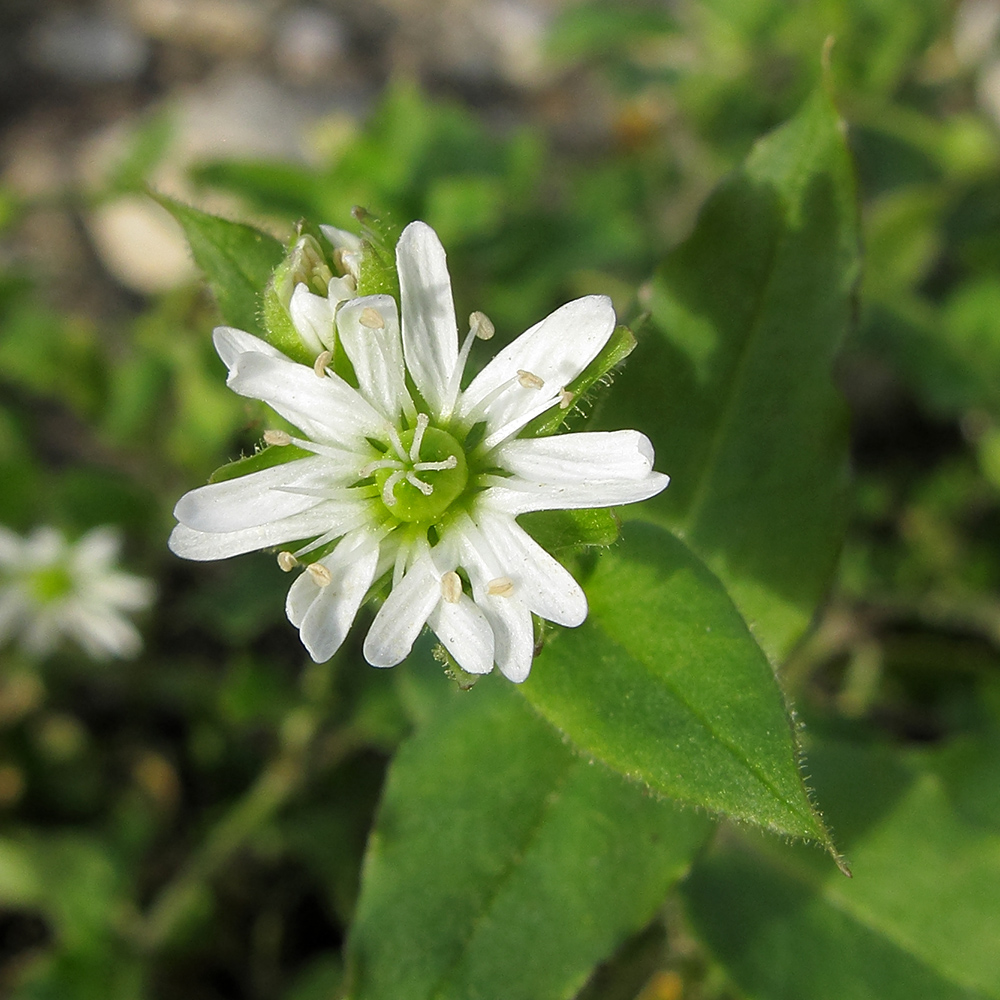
481	326
277	438
321	576
321	363
371	318
565	399
529	380
287	561
451	587
502	586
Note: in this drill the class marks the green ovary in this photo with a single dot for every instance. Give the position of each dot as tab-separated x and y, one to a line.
50	583
411	504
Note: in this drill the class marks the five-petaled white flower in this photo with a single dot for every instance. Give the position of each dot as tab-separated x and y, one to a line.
411	478
51	588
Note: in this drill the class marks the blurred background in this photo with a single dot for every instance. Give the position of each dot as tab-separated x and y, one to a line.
189	823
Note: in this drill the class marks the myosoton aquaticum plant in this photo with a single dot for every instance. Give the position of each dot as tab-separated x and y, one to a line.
403	476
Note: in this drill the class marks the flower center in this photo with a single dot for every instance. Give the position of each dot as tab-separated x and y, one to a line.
50	583
422	473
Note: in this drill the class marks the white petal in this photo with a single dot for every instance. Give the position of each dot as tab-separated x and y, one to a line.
101	632
377	354
324	517
96	550
544	584
45	546
332	609
556	350
518	496
325	409
430	332
312	317
342	239
578	458
465	632
11	545
230	343
509	617
404	614
340	290
261	497
13	607
123	591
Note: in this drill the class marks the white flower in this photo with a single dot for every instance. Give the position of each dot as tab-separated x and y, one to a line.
50	588
413	480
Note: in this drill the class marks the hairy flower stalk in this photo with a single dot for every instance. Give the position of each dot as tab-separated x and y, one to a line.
411	479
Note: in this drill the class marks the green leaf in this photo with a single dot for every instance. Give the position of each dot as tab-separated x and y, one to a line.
920	918
560	530
503	865
237	261
664	683
733	386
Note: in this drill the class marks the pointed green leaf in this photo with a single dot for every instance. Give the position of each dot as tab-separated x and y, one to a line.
920	918
237	260
664	683
733	384
560	530
503	865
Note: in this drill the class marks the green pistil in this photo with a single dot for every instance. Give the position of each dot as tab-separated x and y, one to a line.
441	486
50	583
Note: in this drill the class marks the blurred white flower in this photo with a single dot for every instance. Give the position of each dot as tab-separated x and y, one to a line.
51	588
412	480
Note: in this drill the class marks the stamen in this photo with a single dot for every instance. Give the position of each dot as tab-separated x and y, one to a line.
451	587
449	463
278	438
418	436
425	488
397	443
529	380
480	326
348	262
321	362
502	586
322	577
287	561
388	497
565	399
371	318
383	463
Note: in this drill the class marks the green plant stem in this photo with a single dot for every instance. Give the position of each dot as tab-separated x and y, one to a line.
276	785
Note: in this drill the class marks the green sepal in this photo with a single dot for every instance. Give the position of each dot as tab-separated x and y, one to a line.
266	458
237	260
567	530
619	346
378	255
281	332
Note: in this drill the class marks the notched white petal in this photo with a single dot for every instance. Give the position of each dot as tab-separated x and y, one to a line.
465	632
230	343
312	317
430	330
376	352
555	351
327	410
404	614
